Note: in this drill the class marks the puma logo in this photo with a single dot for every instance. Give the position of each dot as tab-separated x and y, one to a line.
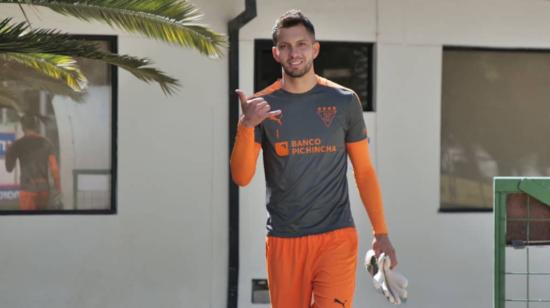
343	303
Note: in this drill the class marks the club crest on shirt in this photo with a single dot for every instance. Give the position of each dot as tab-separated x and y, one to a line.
327	114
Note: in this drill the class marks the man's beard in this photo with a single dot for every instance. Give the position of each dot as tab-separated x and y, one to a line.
298	73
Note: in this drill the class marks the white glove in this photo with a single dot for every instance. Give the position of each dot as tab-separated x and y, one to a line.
395	281
375	268
55	201
390	282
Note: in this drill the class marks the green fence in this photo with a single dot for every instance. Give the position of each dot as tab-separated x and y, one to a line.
522	221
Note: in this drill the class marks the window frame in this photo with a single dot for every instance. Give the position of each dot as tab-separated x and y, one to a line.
112	40
457	209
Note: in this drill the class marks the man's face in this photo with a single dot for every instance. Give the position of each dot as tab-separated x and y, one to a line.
295	51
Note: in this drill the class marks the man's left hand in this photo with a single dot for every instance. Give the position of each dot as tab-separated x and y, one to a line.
381	243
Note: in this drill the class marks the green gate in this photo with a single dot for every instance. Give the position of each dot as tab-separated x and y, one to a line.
522	222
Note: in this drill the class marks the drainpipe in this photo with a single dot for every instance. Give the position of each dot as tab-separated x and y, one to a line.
234	27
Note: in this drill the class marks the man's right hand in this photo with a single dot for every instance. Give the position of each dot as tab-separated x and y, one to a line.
255	110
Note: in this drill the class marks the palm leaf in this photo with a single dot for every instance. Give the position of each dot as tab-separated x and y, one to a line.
55	66
172	9
173	21
17	39
17	76
138	67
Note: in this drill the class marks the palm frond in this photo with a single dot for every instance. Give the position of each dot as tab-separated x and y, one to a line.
15	76
173	9
172	21
18	39
55	66
139	68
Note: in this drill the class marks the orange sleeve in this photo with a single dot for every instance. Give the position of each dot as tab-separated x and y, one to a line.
244	155
55	172
367	182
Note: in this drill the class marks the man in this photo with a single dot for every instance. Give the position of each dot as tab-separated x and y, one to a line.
306	127
36	157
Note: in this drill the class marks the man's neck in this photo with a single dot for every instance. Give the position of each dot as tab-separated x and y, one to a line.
299	84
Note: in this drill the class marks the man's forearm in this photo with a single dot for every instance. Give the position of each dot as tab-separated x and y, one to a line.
10	159
55	172
244	155
367	183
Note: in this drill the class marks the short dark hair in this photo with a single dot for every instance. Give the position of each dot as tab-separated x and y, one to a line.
290	19
29	122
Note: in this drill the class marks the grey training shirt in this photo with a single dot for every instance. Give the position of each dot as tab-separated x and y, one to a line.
305	157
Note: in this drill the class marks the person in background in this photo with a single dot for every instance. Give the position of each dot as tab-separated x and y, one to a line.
37	161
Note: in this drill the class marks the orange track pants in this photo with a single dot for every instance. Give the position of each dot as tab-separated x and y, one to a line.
29	201
316	271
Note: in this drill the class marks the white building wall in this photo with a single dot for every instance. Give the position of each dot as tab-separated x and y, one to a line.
167	246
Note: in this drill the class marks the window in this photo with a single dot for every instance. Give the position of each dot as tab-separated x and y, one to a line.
46	122
494	121
346	63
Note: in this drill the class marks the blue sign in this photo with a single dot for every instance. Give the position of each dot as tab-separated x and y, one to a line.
9	194
5	140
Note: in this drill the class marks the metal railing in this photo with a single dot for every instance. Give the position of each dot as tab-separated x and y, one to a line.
533	189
